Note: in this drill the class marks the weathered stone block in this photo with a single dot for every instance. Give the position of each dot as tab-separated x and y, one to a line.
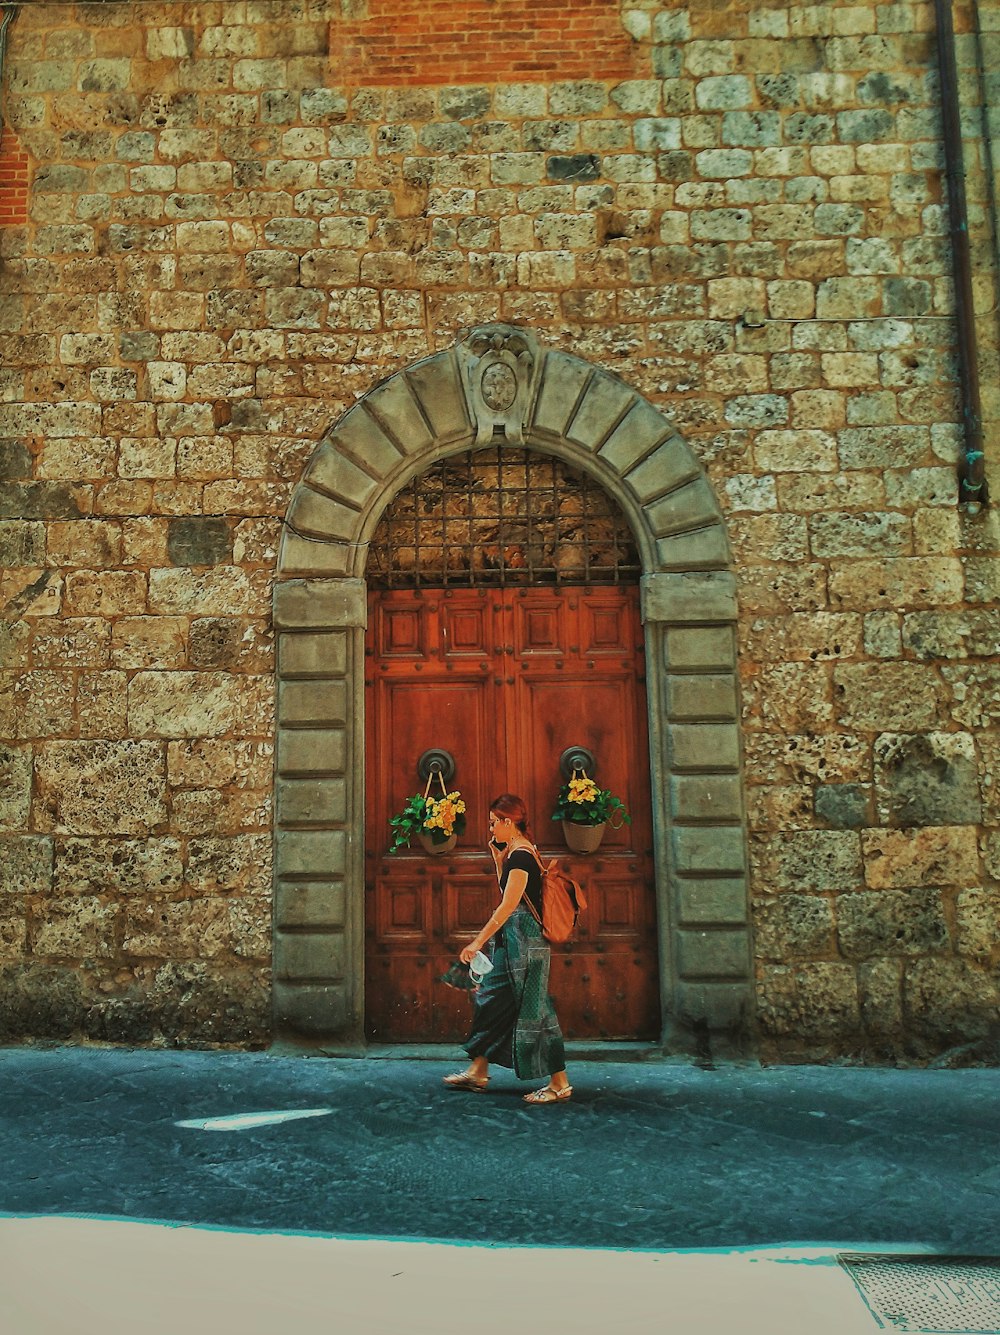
39	1001
708	647
713	954
221	591
795	451
808	1002
976	690
239	862
100	787
927	779
844	805
312	801
75	642
312	751
842	534
909	582
716	899
978	923
25	865
950	1001
945	856
215	763
199	541
803	637
807	860
880	989
790	698
793	927
315	955
708	596
195	704
83	927
697	746
882	635
96	866
314	1010
716	849
42	500
891	922
311	905
706	797
15	786
888	695
147	642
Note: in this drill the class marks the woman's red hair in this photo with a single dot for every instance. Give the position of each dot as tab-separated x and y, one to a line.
511	807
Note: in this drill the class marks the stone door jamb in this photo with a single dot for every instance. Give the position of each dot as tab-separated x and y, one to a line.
499	383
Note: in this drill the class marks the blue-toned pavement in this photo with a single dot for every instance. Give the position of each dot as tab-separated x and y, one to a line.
646	1155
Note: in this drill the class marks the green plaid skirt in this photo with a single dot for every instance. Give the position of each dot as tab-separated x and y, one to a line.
514	1023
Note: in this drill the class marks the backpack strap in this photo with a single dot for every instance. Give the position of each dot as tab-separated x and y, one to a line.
525	896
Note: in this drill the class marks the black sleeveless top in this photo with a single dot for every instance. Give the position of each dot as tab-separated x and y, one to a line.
523	860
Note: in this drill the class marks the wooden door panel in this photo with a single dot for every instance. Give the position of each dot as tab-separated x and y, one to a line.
606	999
606	628
402	633
506	681
467	902
416	717
556	713
466	631
540	631
401	997
614	909
402	911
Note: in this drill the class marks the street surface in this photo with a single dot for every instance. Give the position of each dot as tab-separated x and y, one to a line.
339	1194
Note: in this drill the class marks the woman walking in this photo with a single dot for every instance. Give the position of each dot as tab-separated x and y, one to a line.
514	1023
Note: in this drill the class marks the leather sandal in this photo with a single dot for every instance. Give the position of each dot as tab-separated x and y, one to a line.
549	1095
466	1080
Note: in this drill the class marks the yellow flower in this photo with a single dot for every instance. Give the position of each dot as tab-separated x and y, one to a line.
582	790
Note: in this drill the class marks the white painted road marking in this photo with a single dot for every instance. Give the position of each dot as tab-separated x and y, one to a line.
244	1121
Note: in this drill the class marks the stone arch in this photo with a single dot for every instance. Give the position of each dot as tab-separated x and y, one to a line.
499	383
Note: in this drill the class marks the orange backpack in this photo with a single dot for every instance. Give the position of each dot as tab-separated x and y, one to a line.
563	901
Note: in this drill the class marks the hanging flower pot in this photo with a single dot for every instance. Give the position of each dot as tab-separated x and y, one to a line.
585	811
429	846
583	838
436	821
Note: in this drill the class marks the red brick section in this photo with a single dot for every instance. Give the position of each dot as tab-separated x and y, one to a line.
405	42
13	180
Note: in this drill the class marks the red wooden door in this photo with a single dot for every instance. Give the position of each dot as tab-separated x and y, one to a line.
506	680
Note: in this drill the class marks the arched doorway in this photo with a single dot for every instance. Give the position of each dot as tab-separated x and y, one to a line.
504	631
499	386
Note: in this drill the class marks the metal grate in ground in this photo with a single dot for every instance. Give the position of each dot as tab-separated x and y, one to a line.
940	1295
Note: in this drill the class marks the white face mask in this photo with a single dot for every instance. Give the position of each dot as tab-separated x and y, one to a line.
479	966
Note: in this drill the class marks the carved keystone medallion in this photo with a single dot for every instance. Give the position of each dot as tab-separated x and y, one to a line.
500	365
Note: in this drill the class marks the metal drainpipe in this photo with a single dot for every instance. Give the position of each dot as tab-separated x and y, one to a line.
972	493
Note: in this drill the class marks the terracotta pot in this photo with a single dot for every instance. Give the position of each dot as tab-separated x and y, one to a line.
582	838
437	849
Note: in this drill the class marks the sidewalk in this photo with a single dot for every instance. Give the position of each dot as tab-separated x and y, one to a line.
360	1194
113	1278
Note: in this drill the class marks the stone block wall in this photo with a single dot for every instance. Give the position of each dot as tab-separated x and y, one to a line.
241	215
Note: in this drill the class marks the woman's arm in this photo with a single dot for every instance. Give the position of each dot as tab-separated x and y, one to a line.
517	880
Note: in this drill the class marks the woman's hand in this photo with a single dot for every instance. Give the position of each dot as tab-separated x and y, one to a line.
467	953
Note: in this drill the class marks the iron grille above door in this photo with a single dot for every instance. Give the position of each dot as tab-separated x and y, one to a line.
499	517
